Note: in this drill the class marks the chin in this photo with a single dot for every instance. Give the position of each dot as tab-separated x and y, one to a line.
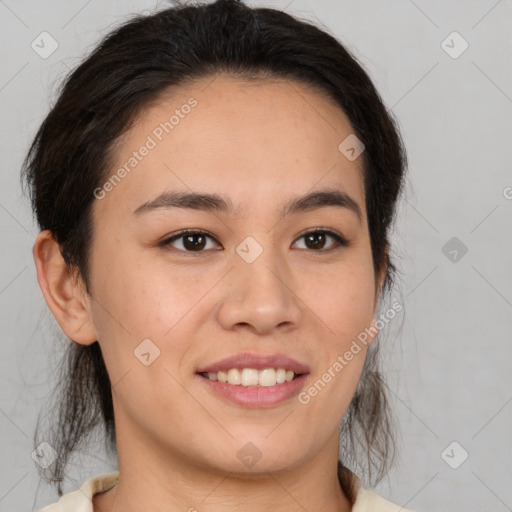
257	457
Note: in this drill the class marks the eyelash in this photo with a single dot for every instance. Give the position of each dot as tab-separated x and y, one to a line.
340	240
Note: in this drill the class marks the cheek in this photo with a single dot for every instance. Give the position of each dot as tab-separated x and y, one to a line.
343	297
344	302
351	308
147	298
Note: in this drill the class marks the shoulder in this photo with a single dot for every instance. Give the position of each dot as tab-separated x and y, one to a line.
369	501
80	500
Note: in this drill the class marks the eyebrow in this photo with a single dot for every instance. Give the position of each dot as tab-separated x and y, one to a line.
216	203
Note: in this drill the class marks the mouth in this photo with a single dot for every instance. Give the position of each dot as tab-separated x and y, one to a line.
255	380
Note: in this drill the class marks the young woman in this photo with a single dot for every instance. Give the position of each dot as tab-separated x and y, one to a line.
214	188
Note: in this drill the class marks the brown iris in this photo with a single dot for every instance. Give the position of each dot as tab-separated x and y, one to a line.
194	241
317	239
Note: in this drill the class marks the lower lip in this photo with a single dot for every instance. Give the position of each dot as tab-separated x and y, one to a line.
256	396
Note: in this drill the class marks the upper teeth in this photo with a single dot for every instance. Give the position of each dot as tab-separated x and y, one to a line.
252	377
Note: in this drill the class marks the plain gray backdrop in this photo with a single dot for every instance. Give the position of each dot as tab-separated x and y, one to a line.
444	68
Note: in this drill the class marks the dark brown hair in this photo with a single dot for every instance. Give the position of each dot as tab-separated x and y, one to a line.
133	66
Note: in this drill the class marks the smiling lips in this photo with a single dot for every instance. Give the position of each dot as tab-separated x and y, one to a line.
254	380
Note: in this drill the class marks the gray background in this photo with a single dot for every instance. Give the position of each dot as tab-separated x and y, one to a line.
449	365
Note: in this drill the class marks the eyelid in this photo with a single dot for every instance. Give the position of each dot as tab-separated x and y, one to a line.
328	231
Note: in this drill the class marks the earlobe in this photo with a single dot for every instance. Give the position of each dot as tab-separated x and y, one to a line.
63	292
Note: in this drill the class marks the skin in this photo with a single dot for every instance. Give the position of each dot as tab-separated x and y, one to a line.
260	144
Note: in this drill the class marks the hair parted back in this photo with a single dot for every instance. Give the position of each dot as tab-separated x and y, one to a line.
71	154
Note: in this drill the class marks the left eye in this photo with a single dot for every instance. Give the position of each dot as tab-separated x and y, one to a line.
319	236
196	241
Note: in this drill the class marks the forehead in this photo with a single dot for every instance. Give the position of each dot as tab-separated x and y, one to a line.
250	140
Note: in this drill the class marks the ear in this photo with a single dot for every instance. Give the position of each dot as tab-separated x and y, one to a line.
64	293
379	285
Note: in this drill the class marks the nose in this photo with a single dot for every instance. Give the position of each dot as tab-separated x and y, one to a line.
261	296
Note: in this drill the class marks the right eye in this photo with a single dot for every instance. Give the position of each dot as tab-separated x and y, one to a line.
190	240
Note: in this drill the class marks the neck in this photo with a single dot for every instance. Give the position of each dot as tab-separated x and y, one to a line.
170	484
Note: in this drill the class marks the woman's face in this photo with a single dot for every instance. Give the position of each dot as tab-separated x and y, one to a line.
258	283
